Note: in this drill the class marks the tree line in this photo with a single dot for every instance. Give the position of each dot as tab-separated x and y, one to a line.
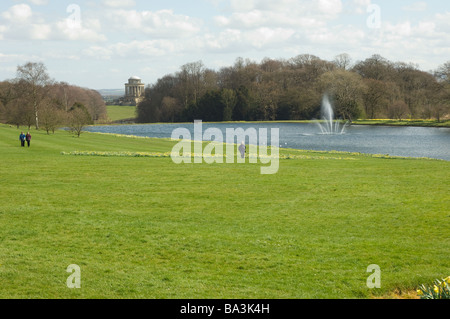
293	89
34	99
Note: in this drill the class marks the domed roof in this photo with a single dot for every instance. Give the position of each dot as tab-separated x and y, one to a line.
135	78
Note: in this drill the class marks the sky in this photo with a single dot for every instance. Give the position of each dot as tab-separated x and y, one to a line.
100	44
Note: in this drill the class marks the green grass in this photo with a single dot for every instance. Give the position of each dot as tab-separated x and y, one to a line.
118	112
148	228
425	123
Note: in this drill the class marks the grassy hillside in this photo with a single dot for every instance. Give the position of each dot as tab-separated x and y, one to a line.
118	112
147	228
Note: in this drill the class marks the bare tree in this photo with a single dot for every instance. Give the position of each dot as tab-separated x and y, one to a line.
343	61
8	92
308	68
79	117
443	73
292	89
229	100
169	109
375	67
14	113
7	95
398	110
439	100
267	99
414	85
51	117
375	97
191	76
346	88
37	83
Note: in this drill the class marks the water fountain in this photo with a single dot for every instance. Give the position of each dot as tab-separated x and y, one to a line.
328	125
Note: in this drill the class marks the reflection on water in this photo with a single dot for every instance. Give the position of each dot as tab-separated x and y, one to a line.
395	141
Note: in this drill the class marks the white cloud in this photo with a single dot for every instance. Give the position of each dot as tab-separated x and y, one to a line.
3	29
359	6
98	52
230	40
10	57
141	36
426	29
424	42
417	7
160	24
135	50
443	21
86	30
399	30
330	7
149	48
119	3
20	13
268	37
61	55
40	31
268	25
265	5
20	23
434	28
222	42
283	13
37	2
337	36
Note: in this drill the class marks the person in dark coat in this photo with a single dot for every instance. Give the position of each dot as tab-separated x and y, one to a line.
22	139
28	138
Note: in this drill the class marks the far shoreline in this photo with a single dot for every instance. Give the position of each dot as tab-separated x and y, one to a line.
378	122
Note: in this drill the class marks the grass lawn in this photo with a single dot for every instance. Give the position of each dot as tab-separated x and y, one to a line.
118	112
148	228
425	123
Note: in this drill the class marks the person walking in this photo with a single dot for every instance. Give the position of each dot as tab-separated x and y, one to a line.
28	138
22	139
242	149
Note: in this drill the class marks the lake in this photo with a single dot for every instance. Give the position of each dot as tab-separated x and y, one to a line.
396	141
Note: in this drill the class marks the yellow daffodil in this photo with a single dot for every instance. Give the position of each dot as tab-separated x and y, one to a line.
436	289
420	292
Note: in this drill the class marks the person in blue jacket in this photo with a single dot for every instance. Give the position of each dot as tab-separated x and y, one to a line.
22	139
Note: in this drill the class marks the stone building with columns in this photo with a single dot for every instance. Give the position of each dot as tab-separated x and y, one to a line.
134	91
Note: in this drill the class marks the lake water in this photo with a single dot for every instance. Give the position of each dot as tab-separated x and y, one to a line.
395	141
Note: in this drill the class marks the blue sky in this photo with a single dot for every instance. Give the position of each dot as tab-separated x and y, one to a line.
100	44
